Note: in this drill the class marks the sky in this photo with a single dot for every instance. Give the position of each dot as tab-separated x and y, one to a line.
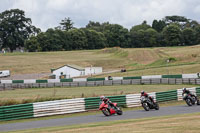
49	13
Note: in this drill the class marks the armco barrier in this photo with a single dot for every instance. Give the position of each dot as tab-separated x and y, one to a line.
58	107
133	100
67	83
95	79
149	79
198	91
171	76
18	81
166	96
14	112
93	102
137	77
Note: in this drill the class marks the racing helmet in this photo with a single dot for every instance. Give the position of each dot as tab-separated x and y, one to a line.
184	89
102	97
142	92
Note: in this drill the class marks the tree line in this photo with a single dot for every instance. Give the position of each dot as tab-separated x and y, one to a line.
17	31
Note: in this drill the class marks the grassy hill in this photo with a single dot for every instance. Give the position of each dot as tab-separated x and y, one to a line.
138	61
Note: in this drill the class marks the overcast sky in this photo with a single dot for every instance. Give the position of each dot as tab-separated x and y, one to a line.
49	13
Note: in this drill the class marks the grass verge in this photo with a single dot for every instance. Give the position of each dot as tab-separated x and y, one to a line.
45	94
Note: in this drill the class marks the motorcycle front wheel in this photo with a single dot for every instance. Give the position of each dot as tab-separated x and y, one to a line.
198	102
156	106
119	111
106	112
188	101
145	106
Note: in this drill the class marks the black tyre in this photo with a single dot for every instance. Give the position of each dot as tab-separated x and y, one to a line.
188	101
156	106
119	111
145	106
106	112
198	102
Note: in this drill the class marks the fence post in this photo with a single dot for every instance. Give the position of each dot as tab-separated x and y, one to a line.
4	87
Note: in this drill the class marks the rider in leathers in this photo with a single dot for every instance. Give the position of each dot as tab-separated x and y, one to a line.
107	101
188	92
147	96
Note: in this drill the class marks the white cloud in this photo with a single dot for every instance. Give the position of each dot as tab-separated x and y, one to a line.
48	13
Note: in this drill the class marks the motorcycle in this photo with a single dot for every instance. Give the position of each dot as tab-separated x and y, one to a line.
107	110
147	104
190	99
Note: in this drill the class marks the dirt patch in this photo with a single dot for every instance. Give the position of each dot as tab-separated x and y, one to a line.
27	76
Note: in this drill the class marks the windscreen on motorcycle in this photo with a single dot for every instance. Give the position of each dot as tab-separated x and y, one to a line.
184	95
100	102
143	98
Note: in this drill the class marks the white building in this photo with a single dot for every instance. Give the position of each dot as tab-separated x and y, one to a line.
93	70
70	71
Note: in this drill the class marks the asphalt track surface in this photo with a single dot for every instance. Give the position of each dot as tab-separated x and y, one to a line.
172	110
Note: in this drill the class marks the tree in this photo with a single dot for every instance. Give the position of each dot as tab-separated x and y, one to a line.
176	19
32	44
197	34
116	35
93	24
142	26
77	39
188	36
192	24
97	26
150	38
52	40
15	28
180	21
172	35
95	40
137	39
66	24
137	35
158	25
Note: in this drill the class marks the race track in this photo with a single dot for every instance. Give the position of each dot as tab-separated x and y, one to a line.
172	110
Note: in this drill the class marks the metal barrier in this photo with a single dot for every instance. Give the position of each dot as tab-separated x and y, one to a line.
13	112
8	86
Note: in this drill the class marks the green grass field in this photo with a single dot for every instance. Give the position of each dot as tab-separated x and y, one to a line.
138	61
44	94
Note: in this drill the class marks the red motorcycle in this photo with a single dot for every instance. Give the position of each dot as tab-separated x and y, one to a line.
108	110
